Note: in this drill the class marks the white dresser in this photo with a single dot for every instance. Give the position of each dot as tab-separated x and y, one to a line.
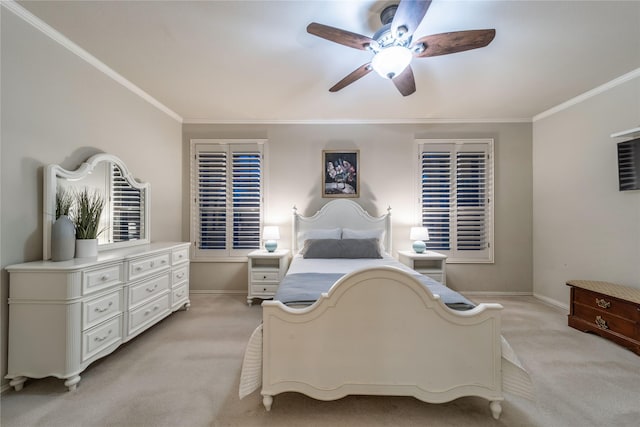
65	315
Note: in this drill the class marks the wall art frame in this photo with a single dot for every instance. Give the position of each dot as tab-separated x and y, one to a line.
340	173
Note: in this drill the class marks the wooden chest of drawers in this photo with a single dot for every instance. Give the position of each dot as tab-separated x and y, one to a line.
606	309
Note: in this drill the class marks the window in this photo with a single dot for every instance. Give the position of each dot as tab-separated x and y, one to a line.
226	186
456	200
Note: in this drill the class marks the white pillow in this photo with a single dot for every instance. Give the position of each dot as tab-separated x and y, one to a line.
318	233
349	233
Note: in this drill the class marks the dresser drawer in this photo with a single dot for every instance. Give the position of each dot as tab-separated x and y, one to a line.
180	275
265	276
264	289
607	304
604	320
148	313
101	308
147	266
102	278
179	295
179	255
148	289
100	337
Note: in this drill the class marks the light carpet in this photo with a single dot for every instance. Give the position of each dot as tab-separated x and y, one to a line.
185	372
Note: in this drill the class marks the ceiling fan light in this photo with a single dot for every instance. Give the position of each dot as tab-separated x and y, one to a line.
391	61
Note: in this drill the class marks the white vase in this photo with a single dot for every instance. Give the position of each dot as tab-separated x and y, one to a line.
86	248
63	239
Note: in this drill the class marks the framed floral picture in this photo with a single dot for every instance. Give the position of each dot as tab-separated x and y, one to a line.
340	173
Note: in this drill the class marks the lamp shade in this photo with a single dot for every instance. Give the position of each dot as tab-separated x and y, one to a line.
271	232
419	233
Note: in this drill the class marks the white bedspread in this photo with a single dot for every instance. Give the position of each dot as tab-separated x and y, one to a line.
515	379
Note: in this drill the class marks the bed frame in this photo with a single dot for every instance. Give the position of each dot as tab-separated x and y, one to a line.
379	332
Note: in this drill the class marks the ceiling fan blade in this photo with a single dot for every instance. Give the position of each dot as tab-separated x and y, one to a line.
457	41
405	82
408	15
347	38
355	75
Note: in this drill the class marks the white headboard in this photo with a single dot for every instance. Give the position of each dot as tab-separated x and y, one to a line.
343	213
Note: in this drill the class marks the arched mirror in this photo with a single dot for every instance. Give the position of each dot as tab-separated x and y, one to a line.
125	216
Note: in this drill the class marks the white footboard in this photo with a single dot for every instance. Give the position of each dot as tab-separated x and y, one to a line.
380	332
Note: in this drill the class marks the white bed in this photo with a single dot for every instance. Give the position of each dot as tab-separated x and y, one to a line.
377	331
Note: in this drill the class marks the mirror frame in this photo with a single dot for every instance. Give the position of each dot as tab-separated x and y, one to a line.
51	175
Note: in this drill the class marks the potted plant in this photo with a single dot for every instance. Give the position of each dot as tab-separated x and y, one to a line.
87	214
63	232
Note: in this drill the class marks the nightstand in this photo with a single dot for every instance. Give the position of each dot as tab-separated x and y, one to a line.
432	264
266	270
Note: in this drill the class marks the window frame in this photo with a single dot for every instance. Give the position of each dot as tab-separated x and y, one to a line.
229	146
455	255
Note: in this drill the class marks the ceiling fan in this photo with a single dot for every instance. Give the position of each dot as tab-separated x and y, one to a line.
393	46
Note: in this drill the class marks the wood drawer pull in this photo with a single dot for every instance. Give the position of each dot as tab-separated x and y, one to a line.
104	277
601	323
179	294
180	275
98	339
102	310
603	303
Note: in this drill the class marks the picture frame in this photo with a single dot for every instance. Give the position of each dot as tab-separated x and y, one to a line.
340	173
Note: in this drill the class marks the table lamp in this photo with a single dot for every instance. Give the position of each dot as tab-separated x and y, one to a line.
419	235
270	235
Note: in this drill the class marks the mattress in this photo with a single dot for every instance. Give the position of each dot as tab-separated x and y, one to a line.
308	278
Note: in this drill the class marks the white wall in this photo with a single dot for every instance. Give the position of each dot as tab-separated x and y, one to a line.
583	227
387	178
56	108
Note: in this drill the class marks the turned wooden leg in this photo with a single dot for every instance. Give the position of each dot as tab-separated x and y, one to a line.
496	408
267	400
17	383
249	301
72	382
187	305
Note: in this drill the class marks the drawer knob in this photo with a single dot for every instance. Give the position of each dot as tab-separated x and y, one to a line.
164	261
601	323
152	263
104	277
152	289
180	256
98	339
138	268
179	294
603	303
102	310
180	275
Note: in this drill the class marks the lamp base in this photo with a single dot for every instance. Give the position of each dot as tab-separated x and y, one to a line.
270	245
419	246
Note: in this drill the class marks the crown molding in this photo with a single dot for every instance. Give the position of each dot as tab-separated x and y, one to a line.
58	37
351	121
589	94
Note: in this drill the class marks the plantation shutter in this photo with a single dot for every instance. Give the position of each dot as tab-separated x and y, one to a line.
455	197
227	180
247	199
127	205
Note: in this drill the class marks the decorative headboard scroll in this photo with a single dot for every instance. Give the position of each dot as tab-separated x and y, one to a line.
342	213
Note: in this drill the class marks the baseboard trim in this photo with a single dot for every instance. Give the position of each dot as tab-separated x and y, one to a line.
552	302
217	292
495	294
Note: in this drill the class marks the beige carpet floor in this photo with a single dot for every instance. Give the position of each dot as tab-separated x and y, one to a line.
185	372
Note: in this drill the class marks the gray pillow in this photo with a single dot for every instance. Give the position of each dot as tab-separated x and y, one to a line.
341	248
